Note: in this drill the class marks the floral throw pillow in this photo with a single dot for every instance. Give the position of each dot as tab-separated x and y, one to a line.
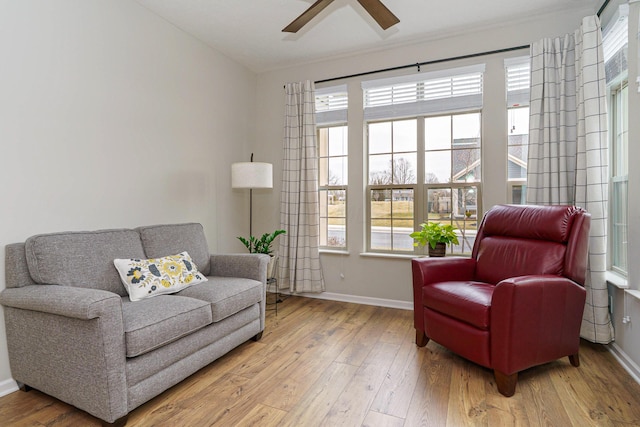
144	278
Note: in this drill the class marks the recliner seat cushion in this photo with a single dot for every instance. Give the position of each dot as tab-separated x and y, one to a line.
466	301
227	295
154	322
82	259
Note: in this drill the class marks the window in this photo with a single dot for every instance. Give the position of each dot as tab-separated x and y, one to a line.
614	43
392	184
331	118
517	80
333	158
619	179
423	156
453	173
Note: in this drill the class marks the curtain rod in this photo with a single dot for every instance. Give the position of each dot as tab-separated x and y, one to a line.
420	64
437	61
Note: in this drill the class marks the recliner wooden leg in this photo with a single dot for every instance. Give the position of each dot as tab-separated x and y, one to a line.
421	338
574	359
506	383
258	336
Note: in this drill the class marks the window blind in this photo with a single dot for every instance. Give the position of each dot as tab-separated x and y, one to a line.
614	44
518	78
331	105
443	91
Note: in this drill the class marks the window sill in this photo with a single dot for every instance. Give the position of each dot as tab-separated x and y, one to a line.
392	256
333	251
404	256
616	280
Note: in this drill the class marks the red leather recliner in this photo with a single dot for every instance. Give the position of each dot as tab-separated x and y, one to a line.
518	301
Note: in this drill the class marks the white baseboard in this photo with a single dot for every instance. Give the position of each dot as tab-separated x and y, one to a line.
626	362
8	386
356	299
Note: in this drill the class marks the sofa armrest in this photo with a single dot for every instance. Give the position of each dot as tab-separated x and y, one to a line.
433	270
535	319
69	343
79	303
248	266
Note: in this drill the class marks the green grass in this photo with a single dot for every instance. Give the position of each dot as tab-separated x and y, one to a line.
402	215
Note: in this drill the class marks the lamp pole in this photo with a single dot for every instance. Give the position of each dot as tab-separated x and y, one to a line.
250	209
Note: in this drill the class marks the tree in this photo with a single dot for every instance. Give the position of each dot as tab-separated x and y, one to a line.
379	178
402	172
432	178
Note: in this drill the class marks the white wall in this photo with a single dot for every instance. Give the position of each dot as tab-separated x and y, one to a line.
627	343
111	117
389	278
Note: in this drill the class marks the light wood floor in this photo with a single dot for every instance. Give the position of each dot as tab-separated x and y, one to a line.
324	363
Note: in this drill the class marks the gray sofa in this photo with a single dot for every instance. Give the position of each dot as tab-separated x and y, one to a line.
73	332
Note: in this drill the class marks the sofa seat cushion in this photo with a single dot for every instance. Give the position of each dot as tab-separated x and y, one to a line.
227	295
154	322
467	301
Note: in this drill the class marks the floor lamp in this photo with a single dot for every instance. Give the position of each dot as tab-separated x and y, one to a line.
251	175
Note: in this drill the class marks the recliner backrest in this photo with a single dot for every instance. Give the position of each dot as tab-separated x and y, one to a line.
518	240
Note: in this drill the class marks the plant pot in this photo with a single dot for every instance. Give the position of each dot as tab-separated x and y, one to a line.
439	251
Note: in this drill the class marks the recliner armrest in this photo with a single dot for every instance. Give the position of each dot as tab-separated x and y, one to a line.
80	303
534	319
433	270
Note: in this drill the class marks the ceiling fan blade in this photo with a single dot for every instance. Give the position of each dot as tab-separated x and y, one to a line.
380	13
307	16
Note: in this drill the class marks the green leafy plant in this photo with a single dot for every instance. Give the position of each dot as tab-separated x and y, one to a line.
433	233
263	244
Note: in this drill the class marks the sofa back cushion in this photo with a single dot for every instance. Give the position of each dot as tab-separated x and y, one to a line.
82	259
168	239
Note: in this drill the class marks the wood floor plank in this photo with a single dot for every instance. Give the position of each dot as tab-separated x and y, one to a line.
394	395
354	403
580	403
320	398
600	370
376	419
503	411
327	363
430	400
542	401
467	405
262	416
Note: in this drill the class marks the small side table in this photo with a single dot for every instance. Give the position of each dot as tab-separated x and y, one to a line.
273	281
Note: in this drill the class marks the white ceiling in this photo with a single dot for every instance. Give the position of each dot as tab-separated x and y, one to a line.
250	31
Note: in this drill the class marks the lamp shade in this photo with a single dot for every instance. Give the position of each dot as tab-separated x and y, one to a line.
252	175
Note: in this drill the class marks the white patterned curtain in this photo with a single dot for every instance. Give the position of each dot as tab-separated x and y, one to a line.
299	201
568	156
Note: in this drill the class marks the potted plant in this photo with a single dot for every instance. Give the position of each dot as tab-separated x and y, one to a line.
436	235
263	246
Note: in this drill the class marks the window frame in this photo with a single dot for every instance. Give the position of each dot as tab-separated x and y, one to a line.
421	188
618	266
517	85
329	187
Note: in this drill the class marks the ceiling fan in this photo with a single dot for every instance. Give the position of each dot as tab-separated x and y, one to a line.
376	9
